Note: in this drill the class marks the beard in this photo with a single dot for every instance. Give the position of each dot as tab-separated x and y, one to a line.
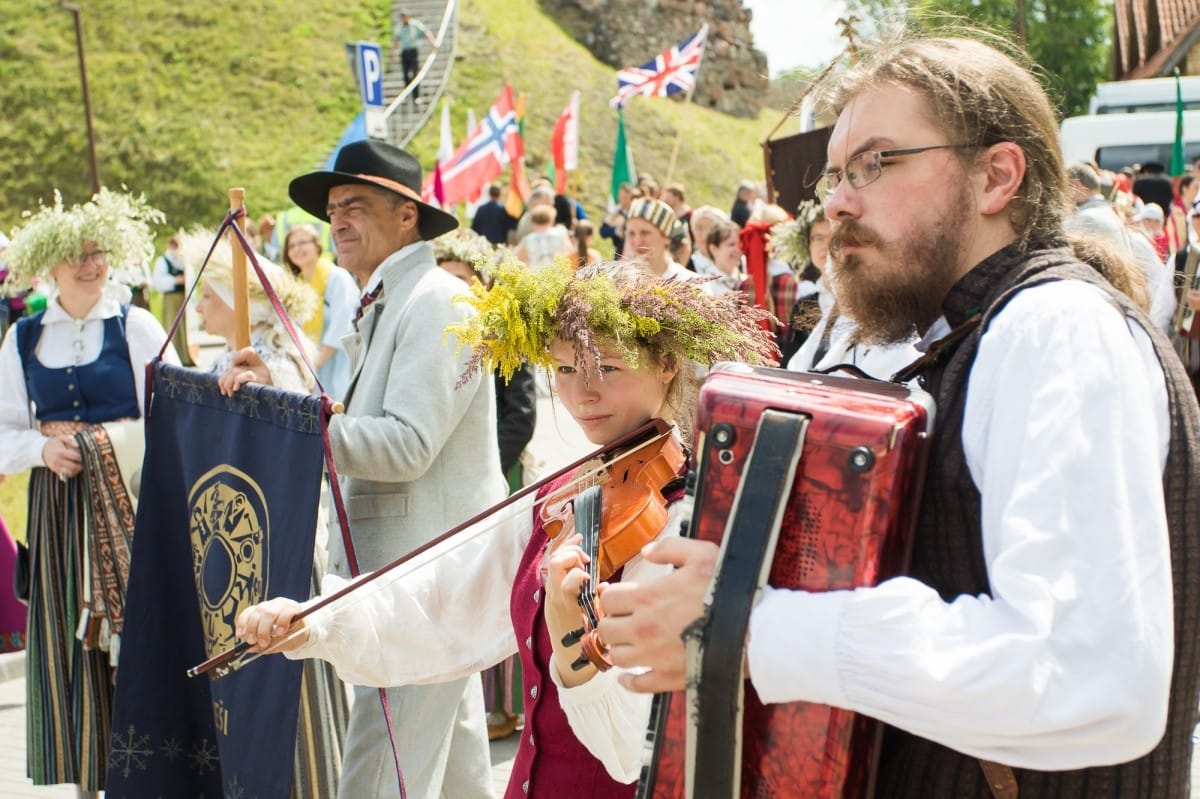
900	292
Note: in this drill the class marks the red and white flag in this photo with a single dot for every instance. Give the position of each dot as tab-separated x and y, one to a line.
483	156
673	71
433	191
564	143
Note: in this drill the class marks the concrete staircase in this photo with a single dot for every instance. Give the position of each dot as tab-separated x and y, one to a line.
407	117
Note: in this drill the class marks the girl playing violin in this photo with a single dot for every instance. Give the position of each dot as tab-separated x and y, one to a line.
617	341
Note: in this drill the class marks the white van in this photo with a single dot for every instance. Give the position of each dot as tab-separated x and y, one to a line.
1133	122
1145	96
1118	140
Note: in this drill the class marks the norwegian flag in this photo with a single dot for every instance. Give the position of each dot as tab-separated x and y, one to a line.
673	71
495	142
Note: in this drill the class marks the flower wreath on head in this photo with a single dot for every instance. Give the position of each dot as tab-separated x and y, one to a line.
463	245
525	310
789	240
116	222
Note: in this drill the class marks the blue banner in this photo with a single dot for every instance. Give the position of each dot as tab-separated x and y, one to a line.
226	517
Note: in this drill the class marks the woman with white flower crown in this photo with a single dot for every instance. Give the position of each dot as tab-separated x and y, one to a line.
72	385
324	709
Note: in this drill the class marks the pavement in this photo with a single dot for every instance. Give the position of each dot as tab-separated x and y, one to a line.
557	442
15	785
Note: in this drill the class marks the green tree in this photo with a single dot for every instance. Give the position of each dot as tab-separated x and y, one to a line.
1068	39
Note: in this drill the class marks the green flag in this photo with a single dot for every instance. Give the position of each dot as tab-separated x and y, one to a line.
623	169
1178	167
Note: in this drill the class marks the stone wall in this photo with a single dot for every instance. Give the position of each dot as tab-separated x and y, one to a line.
733	77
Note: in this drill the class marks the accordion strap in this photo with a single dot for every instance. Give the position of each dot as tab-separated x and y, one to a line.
715	641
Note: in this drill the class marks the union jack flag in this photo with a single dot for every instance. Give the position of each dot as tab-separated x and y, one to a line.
671	72
495	142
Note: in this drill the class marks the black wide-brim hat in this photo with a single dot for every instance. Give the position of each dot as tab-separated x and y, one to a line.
373	163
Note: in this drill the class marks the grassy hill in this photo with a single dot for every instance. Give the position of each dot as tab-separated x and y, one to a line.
189	99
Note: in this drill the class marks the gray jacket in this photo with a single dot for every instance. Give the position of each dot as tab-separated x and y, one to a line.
416	456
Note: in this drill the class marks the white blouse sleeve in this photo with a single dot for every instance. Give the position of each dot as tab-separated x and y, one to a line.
609	720
145	336
439	617
1067	664
20	441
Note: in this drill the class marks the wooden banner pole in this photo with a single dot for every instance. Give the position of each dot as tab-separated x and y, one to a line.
241	290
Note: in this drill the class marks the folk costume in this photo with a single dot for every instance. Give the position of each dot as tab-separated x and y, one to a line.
82	376
416	456
1043	495
478	597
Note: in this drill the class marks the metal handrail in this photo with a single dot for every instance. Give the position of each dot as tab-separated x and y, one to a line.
425	67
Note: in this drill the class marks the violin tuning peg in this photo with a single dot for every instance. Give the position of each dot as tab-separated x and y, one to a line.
572	638
580	663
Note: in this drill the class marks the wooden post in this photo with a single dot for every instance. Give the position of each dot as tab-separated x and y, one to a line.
241	290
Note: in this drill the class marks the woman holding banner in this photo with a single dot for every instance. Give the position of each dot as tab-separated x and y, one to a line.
324	709
72	387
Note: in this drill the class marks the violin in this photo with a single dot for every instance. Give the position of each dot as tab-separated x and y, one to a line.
617	510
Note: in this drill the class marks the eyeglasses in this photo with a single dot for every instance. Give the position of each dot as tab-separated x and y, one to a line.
866	167
96	256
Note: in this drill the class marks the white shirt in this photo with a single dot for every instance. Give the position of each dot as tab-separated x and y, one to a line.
21	442
704	265
450	606
1068	664
880	361
677	272
162	279
377	276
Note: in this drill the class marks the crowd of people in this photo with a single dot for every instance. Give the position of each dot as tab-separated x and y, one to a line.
1045	637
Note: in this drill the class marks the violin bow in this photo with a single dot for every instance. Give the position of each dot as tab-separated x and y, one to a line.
224	663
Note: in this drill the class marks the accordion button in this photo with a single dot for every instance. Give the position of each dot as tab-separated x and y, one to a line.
533	692
537	595
525	786
529	642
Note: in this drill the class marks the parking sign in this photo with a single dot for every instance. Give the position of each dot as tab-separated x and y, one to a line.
370	73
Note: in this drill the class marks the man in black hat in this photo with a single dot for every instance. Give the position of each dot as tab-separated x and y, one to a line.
416	455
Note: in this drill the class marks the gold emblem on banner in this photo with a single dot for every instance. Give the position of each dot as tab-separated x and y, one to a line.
228	522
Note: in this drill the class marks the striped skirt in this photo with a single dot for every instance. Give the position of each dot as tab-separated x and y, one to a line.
320	727
68	690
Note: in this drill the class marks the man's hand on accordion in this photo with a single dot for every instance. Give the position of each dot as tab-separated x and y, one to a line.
644	622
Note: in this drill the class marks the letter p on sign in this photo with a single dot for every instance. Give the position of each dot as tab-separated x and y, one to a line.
370	74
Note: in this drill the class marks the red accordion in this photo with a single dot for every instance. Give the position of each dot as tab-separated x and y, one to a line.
833	467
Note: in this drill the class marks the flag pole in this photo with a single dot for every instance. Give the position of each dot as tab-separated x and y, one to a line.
687	100
241	289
